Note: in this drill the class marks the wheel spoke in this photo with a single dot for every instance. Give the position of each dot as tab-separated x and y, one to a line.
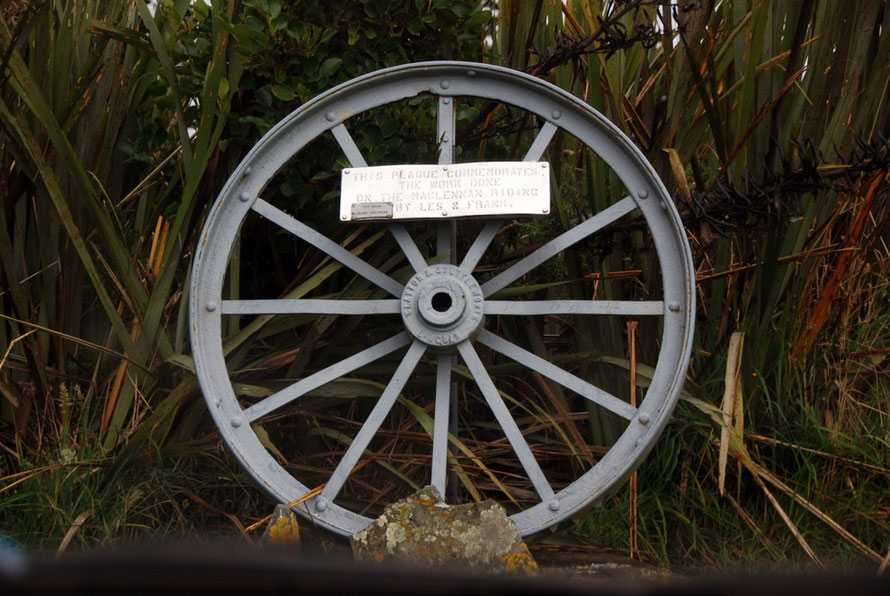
446	238
505	419
344	139
559	244
445	130
324	376
446	242
574	307
406	243
440	428
539	145
375	419
480	244
446	230
304	232
554	373
307	307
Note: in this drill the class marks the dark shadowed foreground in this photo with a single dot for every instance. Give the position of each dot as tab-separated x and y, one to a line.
224	568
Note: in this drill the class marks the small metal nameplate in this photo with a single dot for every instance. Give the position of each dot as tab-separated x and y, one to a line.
435	191
372	210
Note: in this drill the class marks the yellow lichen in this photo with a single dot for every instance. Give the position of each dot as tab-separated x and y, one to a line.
520	563
285	531
426	500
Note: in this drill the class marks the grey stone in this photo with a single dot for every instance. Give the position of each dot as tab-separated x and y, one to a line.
423	530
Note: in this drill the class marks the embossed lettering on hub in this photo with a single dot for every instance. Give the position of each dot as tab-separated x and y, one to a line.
442	306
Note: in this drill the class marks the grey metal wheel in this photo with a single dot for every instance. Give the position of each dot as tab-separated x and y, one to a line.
468	300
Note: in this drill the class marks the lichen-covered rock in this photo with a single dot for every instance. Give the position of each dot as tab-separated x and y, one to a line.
423	530
283	529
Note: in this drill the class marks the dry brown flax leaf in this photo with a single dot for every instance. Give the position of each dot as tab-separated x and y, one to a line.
732	390
75	526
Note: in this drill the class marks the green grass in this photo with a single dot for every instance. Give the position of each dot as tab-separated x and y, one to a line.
684	523
159	498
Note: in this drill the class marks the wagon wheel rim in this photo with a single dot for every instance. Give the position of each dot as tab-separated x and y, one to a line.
329	114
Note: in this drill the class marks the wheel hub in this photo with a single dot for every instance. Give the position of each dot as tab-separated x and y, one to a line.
442	306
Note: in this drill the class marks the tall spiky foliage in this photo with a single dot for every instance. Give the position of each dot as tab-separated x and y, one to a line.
769	120
117	130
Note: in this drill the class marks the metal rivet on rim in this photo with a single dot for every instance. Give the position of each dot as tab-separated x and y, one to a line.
555	114
674	306
637	442
446	84
663	206
321	504
236	421
244	196
211	306
643	194
644	418
330	116
247	171
553	505
471	73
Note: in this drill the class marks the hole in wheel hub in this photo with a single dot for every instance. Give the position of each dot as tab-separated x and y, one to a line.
442	301
442	306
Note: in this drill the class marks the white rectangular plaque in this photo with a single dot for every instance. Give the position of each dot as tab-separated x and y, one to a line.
434	191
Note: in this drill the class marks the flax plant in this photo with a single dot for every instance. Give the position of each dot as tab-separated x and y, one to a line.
783	105
117	130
